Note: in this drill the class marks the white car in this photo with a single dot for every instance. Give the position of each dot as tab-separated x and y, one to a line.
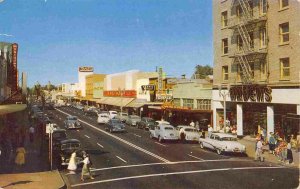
112	114
222	142
187	133
163	132
103	118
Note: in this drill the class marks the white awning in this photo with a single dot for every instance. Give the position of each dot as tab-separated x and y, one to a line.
11	108
115	101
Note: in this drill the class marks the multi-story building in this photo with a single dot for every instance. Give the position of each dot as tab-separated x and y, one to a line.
94	86
257	65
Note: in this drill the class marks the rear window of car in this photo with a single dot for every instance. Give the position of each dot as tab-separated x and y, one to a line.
59	134
72	118
168	128
190	130
70	146
228	139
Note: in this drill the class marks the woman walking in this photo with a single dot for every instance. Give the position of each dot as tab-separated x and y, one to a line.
72	163
86	168
20	158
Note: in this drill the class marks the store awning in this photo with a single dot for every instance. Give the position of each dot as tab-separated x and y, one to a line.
138	103
155	107
11	108
115	101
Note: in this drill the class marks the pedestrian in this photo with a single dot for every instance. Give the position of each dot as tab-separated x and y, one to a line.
263	134
289	153
227	129
272	143
20	157
31	133
86	167
192	124
202	133
259	150
72	163
209	131
197	126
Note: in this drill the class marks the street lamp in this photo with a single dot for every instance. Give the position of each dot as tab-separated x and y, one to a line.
223	93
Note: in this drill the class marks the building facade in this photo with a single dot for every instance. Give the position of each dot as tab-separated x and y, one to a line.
256	65
94	86
82	73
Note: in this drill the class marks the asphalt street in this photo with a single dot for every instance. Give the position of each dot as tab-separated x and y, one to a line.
133	160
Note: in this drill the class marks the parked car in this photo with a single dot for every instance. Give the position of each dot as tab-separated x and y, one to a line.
163	132
112	114
132	120
187	133
58	135
90	113
222	142
115	125
146	123
102	118
122	116
66	148
72	122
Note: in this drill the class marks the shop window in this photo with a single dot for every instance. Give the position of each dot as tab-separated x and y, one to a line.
263	37
203	104
188	103
225	46
283	4
284	68
263	7
225	73
284	33
176	102
224	19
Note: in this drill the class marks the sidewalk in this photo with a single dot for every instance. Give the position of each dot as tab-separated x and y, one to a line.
35	173
250	150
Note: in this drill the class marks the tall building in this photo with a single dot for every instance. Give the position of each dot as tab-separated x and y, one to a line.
82	73
257	65
94	86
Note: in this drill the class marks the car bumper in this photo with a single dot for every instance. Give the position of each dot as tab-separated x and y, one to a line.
118	130
235	150
170	138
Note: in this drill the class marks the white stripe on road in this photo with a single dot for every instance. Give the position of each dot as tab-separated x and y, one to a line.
121	159
174	173
170	163
161	144
87	136
122	140
195	157
100	145
137	135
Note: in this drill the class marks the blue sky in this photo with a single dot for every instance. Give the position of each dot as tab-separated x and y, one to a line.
55	37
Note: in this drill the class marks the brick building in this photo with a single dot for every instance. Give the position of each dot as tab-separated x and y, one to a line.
257	65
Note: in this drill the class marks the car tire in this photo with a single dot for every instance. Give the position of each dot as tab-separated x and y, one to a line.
219	151
160	139
201	145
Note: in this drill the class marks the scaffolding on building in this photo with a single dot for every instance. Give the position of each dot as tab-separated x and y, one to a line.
245	22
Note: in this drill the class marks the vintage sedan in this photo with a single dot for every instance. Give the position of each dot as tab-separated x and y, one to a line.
115	125
163	132
222	142
146	123
187	133
132	120
72	122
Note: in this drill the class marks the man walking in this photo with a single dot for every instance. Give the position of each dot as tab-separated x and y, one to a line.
259	151
31	133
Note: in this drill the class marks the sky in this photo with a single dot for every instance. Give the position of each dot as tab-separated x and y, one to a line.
55	37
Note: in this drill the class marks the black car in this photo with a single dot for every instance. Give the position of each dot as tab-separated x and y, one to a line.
66	148
90	113
58	135
115	125
146	123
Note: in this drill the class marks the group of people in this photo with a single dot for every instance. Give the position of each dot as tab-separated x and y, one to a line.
87	163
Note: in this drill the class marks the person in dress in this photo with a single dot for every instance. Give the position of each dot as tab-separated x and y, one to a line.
20	157
86	167
72	163
31	133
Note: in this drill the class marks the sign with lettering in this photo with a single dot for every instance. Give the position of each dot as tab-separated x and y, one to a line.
120	93
253	93
86	69
148	87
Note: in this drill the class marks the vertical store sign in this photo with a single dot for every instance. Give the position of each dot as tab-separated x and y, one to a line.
14	66
160	75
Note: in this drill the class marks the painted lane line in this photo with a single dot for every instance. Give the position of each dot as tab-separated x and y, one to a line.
100	145
87	136
195	157
175	173
161	144
137	135
170	163
122	140
121	159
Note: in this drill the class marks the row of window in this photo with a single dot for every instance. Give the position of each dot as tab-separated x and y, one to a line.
202	104
284	70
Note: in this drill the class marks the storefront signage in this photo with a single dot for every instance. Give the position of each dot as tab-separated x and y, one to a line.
254	93
14	66
127	93
86	69
163	97
148	87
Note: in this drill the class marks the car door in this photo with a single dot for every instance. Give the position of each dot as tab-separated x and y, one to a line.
210	142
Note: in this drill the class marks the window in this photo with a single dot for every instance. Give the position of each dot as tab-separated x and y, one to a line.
284	68
284	33
224	19
188	103
251	35
263	37
239	43
263	70
239	73
263	7
176	102
203	104
225	46
225	73
283	4
239	12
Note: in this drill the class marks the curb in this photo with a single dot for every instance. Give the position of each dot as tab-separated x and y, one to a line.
64	186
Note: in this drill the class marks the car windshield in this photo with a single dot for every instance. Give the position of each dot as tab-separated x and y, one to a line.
70	146
228	139
104	116
190	130
72	118
168	128
115	121
59	135
124	114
